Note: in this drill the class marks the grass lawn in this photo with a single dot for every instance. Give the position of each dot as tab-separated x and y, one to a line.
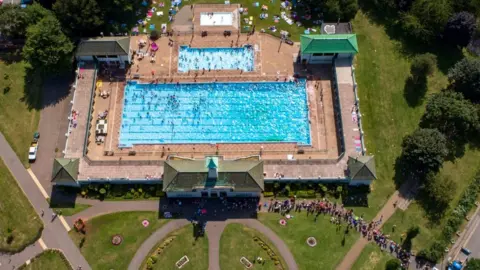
18	121
273	9
70	211
184	244
372	258
381	72
462	173
97	245
16	214
49	259
237	242
332	244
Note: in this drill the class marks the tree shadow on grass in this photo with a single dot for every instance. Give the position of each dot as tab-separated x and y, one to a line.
415	90
42	89
447	55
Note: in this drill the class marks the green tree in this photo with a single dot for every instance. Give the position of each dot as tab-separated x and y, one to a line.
451	114
460	28
426	19
423	151
439	193
423	65
86	22
473	264
121	15
464	78
13	21
47	47
349	9
36	13
393	264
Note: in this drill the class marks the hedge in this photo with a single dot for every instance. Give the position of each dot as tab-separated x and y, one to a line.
435	252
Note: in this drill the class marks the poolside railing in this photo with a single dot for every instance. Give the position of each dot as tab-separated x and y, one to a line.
337	109
357	103
90	111
74	87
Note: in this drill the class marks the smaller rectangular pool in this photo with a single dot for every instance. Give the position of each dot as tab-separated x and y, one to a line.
216	19
215	58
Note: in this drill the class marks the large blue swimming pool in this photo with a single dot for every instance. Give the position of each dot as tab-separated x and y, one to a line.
215	113
215	58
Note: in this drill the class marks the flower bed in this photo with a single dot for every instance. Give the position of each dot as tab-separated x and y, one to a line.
311	241
269	251
117	239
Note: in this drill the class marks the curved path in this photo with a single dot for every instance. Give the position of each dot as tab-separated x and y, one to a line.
273	237
214	231
145	248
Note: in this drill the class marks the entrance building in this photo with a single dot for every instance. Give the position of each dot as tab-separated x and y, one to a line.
106	50
213	177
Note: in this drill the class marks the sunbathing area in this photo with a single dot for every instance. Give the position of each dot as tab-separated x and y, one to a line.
225	95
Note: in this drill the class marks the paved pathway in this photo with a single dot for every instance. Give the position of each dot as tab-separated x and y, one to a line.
157	236
54	234
9	261
214	231
386	212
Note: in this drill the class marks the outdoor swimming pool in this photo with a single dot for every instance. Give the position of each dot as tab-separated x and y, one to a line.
215	58
216	19
215	113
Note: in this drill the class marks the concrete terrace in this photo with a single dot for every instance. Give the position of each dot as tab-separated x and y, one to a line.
322	160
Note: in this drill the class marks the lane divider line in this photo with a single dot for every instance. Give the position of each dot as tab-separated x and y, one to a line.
64	223
42	244
40	187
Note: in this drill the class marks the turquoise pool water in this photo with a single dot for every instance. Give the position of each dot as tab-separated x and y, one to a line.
215	58
215	113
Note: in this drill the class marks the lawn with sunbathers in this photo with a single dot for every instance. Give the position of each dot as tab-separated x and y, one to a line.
263	14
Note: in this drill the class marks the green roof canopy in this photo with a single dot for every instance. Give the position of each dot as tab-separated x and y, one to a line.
187	174
65	170
362	168
339	43
102	46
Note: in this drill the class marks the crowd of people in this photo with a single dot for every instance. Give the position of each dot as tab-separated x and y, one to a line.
339	216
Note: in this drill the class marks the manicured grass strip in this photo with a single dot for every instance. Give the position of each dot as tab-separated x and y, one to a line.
183	244
97	244
49	259
18	114
372	258
332	244
18	220
381	72
70	211
238	241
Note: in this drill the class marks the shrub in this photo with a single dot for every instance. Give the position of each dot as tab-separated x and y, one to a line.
102	191
267	194
146	195
423	65
128	196
154	259
393	264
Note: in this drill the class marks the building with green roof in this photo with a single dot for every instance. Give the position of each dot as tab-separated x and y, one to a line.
322	49
213	177
110	50
65	171
361	170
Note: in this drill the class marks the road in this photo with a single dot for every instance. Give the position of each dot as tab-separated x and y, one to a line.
54	234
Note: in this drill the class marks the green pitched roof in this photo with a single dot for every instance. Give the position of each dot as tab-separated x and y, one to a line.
337	43
362	168
65	170
102	46
186	175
